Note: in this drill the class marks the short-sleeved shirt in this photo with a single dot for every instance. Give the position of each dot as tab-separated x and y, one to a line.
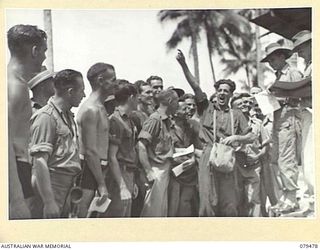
21	120
288	74
123	133
55	133
223	121
156	130
184	137
138	117
252	149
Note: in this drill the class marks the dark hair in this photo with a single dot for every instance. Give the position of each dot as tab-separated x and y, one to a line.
154	78
139	84
187	96
95	70
123	92
238	96
65	79
20	36
165	95
225	81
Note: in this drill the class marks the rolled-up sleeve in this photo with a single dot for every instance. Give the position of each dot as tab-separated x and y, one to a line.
42	134
150	129
244	128
201	102
115	132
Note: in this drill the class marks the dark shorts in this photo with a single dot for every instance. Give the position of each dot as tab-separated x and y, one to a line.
87	180
24	173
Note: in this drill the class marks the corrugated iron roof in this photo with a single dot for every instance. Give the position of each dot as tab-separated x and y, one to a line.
285	22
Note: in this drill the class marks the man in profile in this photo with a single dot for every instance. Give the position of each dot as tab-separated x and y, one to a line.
54	145
93	123
155	152
27	45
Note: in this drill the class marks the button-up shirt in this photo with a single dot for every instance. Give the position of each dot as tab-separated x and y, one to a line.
54	132
223	122
123	134
156	130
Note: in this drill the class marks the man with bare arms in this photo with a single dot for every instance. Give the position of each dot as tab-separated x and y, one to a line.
93	123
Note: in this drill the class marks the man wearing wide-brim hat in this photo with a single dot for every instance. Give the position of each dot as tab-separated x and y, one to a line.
284	151
42	89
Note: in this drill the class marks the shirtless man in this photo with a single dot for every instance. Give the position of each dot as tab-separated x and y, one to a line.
27	45
93	123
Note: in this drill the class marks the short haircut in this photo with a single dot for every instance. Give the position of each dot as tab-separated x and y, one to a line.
154	78
95	70
165	95
21	36
187	96
139	84
225	81
123	92
65	79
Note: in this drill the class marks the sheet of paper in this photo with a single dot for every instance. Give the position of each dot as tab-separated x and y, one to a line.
267	102
183	151
98	205
178	170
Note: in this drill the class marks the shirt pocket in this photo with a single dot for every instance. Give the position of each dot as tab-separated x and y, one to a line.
63	145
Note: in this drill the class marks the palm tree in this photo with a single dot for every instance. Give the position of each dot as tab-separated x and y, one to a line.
187	27
218	26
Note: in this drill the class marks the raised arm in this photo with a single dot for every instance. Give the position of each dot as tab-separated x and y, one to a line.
201	98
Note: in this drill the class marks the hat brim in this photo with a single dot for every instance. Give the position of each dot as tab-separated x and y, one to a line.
180	92
286	52
295	49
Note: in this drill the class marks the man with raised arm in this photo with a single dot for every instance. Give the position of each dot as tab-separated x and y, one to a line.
218	191
93	123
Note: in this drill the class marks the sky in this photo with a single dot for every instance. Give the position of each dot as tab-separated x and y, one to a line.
131	40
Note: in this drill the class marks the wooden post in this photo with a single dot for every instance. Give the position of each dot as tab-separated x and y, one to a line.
48	29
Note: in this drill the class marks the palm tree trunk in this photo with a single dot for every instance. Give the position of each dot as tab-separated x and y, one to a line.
248	77
194	49
48	29
258	48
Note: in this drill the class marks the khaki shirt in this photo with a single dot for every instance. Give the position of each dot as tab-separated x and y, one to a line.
156	130
123	134
55	133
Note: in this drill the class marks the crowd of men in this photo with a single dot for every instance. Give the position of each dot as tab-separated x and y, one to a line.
125	140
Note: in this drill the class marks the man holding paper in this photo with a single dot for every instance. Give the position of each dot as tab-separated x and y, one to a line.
285	129
182	193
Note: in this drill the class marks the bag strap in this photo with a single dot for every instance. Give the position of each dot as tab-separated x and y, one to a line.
214	125
232	122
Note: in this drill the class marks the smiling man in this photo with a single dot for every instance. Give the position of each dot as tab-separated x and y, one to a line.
218	194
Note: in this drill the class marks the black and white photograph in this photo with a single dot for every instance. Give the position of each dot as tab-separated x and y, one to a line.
119	113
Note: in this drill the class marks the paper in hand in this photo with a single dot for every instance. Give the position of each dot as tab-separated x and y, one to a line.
183	151
99	204
267	102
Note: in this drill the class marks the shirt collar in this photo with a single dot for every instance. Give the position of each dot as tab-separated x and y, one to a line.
163	117
51	101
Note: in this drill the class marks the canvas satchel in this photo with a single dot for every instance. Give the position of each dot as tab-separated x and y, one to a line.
222	157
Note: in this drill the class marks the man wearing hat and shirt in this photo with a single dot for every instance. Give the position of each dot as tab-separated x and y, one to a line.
302	89
284	151
42	89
